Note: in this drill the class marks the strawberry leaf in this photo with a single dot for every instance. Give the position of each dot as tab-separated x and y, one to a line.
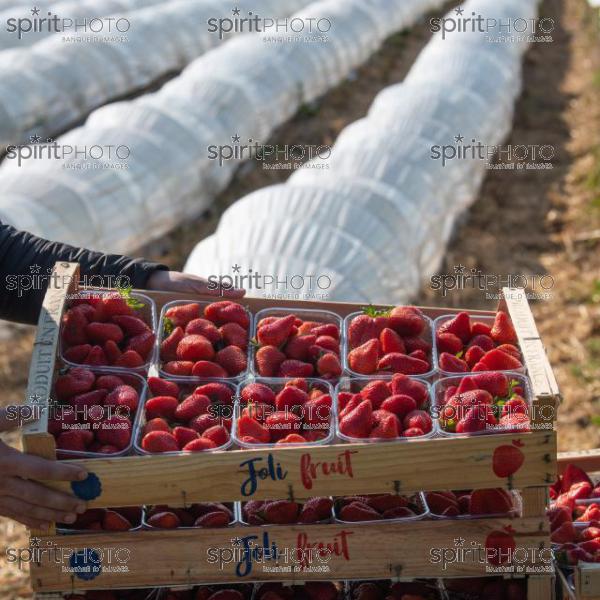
460	354
373	312
134	303
168	326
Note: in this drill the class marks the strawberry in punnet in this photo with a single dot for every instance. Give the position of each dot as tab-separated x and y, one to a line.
73	328
448	342
192	406
111	351
181	314
502	331
402	384
77	354
232	359
268	361
280	424
350	405
407	320
161	406
183	435
199	445
391	342
168	347
76	381
281	512
295	368
247	426
130	359
102	332
195	347
452	364
227	312
156	424
497	384
208	369
293	438
115	431
141	343
483	341
123	395
205	328
298	346
494	501
219	393
460	326
132	326
473	355
96	358
400	363
328	366
164	520
386	425
358	422
113	521
258	392
218	434
203	422
234	334
276	332
418	419
162	387
365	358
375	391
358	511
74	439
496	360
362	329
179	367
290	397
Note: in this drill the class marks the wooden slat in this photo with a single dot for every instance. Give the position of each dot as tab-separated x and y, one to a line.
413	549
321	471
587	581
540	588
588	460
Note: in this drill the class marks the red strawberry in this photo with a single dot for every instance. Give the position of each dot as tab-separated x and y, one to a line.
384	502
102	332
460	326
164	520
156	424
452	364
203	422
161	406
494	501
391	342
258	392
483	341
358	511
329	366
358	422
282	423
319	506
375	391
182	314
329	343
268	361
448	342
73	328
74	439
217	434
364	359
400	363
402	384
564	533
479	328
195	347
293	438
290	397
96	357
192	406
130	360
295	368
199	445
76	381
183	435
326	329
507	459
115	431
95	398
178	367
77	354
352	403
494	383
142	343
364	328
297	347
580	491
108	382
110	305
474	419
407	320
234	334
232	359
207	368
399	404
216	518
205	328
573	475
299	382
439	502
503	331
413	432
281	512
123	395
227	312
496	360
511	350
113	521
473	355
162	387
219	393
516	405
387	425
276	332
419	419
415	343
112	352
168	347
132	326
246	426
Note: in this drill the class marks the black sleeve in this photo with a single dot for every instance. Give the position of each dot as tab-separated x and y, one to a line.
26	262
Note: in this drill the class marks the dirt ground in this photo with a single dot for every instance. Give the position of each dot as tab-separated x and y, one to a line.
529	222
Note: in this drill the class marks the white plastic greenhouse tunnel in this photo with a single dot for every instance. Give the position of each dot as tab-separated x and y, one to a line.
51	86
247	87
383	209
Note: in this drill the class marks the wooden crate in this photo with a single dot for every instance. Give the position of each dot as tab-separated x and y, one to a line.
371	550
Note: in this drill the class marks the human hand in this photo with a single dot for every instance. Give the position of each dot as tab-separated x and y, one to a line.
29	502
174	281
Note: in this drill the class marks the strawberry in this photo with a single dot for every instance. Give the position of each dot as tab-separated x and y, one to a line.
108	382
76	381
328	366
132	326
511	350
130	359
590	533
218	434
178	367
320	506
400	363
112	352
227	312
77	354
162	387
407	320
564	533
113	521
297	347
281	512
101	332
73	326
219	393
276	332
246	426
282	423
399	404
483	341
460	326
503	331
329	343
419	419
268	361
258	392
358	511
110	305
580	490
192	406
203	422
123	395
364	359
115	431
415	343
258	411
496	360
467	384
181	314
299	382
452	364
387	425
357	423
168	347
213	519
402	384
362	329
494	383
234	334
479	328
326	329
448	342
473	355
142	343
164	520
516	405
96	357
391	342
439	502
289	398
295	368
89	399
475	419
74	439
207	368
161	406
293	438
232	359
183	435
195	347
205	328
199	445
156	424
375	391
490	502
573	475
413	432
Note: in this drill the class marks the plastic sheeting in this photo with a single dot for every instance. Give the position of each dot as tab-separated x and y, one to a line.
382	211
52	85
245	88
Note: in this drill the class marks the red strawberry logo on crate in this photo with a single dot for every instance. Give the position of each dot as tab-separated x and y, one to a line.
508	459
310	550
500	546
310	470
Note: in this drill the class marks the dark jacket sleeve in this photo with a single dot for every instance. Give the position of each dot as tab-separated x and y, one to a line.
26	262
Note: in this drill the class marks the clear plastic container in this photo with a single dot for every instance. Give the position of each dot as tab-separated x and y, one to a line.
440	386
426	334
242	521
186	387
488	320
516	510
306	314
277	384
418	500
147	313
354	385
233	506
130	378
71	531
162	335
